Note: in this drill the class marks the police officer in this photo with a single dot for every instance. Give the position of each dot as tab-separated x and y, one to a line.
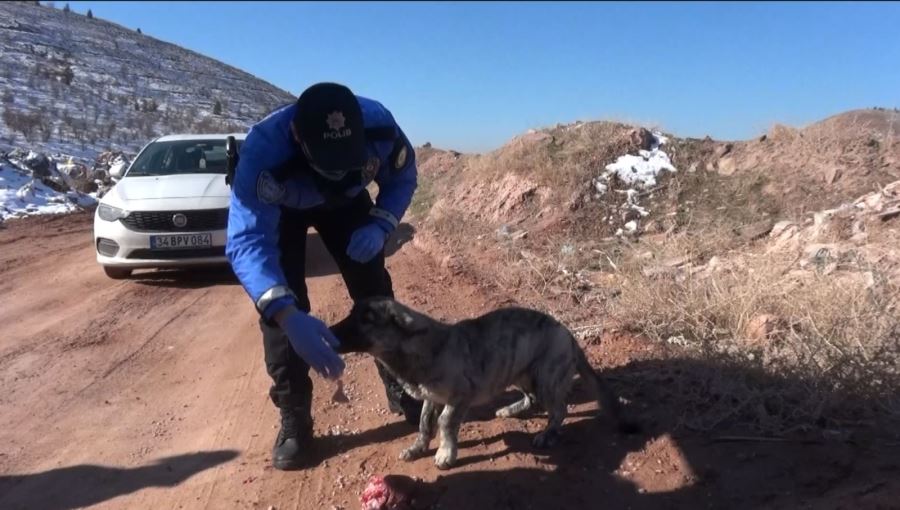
307	165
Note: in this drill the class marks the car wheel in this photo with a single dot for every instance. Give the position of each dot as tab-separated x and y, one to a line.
116	273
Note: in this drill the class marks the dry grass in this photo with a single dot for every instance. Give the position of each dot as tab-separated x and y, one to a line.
562	157
831	342
423	198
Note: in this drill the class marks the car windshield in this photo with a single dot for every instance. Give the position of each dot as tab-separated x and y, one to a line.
181	157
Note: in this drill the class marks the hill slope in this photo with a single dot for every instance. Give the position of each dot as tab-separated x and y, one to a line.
79	86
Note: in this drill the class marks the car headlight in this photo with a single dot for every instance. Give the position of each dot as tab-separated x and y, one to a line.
110	213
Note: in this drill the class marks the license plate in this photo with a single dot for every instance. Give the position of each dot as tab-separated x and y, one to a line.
181	241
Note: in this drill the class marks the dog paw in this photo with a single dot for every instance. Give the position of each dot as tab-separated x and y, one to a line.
503	412
546	439
412	453
445	458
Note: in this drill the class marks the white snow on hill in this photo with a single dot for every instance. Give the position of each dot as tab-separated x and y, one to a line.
23	195
78	86
637	174
637	171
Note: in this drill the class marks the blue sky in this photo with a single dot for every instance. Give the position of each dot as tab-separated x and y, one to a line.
471	75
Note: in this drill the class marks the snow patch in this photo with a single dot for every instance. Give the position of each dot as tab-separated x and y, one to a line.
637	173
23	195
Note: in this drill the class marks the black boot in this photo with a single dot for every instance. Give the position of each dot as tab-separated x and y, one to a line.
291	450
399	402
412	409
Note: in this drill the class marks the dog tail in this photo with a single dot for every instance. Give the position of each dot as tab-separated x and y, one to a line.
605	397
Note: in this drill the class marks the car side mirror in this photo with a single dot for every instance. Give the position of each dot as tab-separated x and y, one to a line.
231	159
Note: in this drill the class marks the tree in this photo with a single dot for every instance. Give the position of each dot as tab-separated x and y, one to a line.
90	15
139	30
66	9
68	75
217	108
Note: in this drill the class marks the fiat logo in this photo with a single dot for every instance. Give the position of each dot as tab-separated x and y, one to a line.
179	220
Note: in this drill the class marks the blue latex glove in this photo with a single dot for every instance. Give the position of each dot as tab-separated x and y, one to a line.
367	242
314	342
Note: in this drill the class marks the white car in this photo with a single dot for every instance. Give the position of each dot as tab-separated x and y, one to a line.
169	209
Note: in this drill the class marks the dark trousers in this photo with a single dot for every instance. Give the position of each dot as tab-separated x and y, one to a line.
291	385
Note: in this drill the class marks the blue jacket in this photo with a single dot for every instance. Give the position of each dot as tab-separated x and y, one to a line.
258	195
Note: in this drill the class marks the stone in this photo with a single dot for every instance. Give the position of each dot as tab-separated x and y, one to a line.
727	166
764	328
722	150
755	230
643	138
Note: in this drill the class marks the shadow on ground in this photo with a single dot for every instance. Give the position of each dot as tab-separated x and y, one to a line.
86	485
668	465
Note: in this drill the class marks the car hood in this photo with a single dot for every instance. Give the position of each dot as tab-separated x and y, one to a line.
172	186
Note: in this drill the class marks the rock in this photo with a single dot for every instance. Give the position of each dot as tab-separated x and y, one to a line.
676	261
763	138
820	254
781	227
755	230
427	145
26	192
643	138
600	278
631	215
889	214
832	175
39	164
764	328
692	168
722	150
726	166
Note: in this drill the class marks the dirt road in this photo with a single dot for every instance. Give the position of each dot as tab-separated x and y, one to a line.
151	393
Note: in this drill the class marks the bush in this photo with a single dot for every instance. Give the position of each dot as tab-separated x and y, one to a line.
217	108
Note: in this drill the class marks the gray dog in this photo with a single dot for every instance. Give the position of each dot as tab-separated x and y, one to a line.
452	367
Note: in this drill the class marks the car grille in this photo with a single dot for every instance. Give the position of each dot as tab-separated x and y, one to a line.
145	254
161	221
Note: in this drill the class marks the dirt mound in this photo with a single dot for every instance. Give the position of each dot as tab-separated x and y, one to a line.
879	123
828	162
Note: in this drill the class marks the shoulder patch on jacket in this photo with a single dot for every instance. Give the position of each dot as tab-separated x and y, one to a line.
400	154
268	189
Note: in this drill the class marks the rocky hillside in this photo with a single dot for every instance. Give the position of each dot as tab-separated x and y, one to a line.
78	86
777	254
832	160
589	177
